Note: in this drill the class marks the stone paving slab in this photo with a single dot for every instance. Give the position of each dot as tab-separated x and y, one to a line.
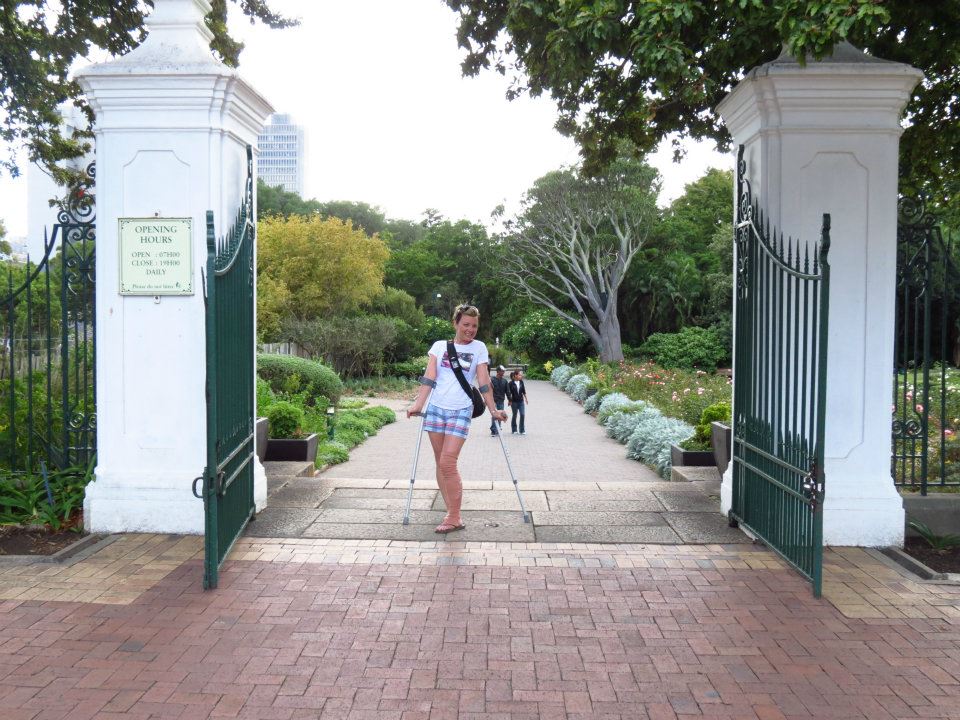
298	495
703	527
280	521
498	500
688	501
596	519
601	502
607	534
382	493
416	503
476	532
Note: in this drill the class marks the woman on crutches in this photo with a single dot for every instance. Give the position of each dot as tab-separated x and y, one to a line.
447	417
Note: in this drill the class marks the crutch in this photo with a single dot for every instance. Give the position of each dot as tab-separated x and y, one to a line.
523	509
416	459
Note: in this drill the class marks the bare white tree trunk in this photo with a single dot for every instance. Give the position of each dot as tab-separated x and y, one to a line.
576	240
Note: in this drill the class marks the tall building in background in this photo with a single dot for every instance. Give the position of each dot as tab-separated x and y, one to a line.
281	154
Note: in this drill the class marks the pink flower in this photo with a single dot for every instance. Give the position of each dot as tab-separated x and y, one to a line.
919	408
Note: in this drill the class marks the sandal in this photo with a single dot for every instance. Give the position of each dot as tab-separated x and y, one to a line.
448	527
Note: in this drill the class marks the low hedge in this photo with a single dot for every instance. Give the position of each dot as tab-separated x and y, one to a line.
291	375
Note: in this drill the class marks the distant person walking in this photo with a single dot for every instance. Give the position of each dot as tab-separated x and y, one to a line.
517	395
499	384
447	417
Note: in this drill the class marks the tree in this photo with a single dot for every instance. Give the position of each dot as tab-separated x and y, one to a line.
368	217
572	245
39	42
5	248
274	200
667	286
311	267
650	70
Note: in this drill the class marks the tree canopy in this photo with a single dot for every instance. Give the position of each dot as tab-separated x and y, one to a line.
571	247
651	70
39	42
314	267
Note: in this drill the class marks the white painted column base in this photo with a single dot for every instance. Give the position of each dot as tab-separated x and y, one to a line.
259	485
726	490
868	514
141	503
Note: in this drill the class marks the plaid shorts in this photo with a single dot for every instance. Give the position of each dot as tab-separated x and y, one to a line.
448	422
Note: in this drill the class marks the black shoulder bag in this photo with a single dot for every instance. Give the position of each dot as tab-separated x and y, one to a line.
472	392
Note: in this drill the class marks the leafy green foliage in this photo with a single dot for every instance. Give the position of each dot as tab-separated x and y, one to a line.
542	335
332	453
414	368
682	275
435	328
703	435
935	541
289	374
54	501
40	43
286	420
652	70
691	348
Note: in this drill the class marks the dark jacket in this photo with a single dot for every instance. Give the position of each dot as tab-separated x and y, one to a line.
515	396
499	386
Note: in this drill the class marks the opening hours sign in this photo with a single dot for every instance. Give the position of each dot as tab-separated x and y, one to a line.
156	256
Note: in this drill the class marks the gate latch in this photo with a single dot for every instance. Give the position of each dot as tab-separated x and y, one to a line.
812	488
196	480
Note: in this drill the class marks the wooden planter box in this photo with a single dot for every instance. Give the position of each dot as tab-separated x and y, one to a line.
721	437
690	458
304	449
262	433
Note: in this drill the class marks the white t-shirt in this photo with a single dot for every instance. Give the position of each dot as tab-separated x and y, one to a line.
448	393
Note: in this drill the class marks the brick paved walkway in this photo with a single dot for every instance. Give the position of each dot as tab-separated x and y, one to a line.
410	631
406	630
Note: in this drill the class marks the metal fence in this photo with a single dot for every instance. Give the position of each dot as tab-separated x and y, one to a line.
926	397
47	353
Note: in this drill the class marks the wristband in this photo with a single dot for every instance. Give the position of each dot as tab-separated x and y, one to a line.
424	380
484	388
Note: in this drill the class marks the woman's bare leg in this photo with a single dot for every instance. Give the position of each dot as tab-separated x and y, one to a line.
447	469
436	442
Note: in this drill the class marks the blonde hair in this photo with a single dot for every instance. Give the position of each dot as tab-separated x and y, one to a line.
469	310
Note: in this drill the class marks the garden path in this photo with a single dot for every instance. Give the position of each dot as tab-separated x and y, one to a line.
577	483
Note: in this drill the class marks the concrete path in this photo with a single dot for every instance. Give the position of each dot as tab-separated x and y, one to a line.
576	482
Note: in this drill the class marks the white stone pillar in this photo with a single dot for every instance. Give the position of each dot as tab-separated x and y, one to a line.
172	126
824	138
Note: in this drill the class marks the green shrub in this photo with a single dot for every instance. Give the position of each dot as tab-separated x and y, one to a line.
291	375
54	501
332	453
692	347
286	420
265	396
349	438
380	415
413	368
352	404
352	420
543	335
498	356
433	329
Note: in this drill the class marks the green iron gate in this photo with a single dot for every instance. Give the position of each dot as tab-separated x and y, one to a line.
926	429
780	352
229	294
47	355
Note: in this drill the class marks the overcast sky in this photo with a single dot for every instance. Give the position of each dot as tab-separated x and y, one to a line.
389	119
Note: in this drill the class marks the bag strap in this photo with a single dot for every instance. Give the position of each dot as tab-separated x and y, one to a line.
457	370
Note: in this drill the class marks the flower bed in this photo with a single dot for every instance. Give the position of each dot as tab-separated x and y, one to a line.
643	406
